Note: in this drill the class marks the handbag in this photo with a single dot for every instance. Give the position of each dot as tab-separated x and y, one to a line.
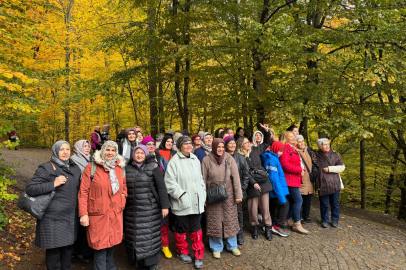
312	174
260	176
218	193
36	206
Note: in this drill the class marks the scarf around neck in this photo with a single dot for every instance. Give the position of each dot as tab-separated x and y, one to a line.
55	154
110	165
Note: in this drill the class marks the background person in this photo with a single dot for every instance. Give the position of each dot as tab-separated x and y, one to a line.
128	144
205	149
57	230
197	142
96	141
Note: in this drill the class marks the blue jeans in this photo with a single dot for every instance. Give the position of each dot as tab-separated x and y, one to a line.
332	200
295	203
216	244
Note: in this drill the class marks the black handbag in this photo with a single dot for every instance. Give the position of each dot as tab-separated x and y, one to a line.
260	176
218	193
36	206
312	174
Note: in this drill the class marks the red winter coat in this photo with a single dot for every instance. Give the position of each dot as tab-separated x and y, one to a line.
105	210
290	161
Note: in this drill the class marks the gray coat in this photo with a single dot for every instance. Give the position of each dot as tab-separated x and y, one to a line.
80	161
58	227
184	176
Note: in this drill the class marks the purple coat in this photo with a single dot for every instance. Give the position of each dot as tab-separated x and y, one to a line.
95	141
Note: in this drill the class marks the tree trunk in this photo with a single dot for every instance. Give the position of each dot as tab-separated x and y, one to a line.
402	207
389	188
362	175
161	119
152	71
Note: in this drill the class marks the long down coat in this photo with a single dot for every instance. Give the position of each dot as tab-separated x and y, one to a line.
104	209
222	215
59	225
143	211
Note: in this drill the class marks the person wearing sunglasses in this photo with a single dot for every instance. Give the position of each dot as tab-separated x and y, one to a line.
278	207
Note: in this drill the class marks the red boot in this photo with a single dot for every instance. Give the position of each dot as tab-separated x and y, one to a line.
182	246
198	247
165	235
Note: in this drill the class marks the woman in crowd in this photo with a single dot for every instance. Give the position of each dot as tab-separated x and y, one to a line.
294	129
57	230
158	139
139	136
240	133
205	149
278	207
165	148
105	135
147	203
307	187
329	182
258	189
220	168
175	138
244	174
292	166
102	197
149	142
217	132
197	142
82	158
126	146
187	192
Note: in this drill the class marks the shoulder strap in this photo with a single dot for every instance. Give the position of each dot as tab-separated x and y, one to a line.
225	176
53	166
93	171
304	162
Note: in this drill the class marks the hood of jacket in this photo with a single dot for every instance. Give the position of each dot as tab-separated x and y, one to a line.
97	158
254	142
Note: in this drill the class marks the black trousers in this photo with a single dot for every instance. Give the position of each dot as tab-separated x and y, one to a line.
240	217
278	211
192	220
59	258
81	247
103	259
307	201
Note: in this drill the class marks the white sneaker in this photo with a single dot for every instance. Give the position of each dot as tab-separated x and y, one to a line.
259	218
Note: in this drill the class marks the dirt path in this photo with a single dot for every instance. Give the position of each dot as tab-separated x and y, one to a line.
364	239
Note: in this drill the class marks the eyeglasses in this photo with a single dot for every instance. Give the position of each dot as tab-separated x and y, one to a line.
187	143
198	139
325	144
150	144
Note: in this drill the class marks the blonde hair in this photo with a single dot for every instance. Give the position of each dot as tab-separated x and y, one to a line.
285	136
240	144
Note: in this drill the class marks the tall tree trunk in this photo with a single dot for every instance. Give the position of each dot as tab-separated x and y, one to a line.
161	119
389	188
402	207
362	175
152	70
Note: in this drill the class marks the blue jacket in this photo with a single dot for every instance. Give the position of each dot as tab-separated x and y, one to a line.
200	154
271	163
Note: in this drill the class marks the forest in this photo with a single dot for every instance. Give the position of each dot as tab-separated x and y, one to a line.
333	67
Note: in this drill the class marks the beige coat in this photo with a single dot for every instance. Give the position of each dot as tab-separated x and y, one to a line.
222	215
307	186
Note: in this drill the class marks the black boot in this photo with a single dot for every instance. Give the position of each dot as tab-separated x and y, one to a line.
240	239
254	232
268	234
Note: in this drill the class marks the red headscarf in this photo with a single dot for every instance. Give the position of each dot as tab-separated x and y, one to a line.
215	145
276	147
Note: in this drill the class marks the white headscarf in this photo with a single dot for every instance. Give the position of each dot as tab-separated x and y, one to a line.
253	138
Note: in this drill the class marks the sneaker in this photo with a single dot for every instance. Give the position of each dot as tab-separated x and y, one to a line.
334	224
236	252
302	221
198	264
308	220
259	218
185	258
216	254
280	231
324	224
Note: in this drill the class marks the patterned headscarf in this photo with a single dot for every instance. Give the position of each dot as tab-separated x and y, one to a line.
55	154
204	146
110	165
80	149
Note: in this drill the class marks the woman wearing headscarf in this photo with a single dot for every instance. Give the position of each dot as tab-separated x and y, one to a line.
257	192
127	146
220	168
176	137
102	198
294	171
329	182
308	159
81	250
205	149
147	203
57	230
217	132
244	173
165	148
278	205
187	191
197	142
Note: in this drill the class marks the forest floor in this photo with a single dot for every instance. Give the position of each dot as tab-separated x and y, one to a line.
364	239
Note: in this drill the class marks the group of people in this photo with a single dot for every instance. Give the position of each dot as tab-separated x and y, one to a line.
142	188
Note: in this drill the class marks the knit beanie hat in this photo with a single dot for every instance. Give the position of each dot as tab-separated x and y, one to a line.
182	140
146	140
185	132
276	147
228	139
194	137
171	131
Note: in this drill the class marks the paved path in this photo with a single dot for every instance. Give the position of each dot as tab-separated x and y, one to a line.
358	243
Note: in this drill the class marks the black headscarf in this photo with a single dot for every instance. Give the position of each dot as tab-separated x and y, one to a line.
217	133
162	144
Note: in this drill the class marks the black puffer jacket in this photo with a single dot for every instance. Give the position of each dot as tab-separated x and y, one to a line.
59	225
142	214
244	171
254	162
